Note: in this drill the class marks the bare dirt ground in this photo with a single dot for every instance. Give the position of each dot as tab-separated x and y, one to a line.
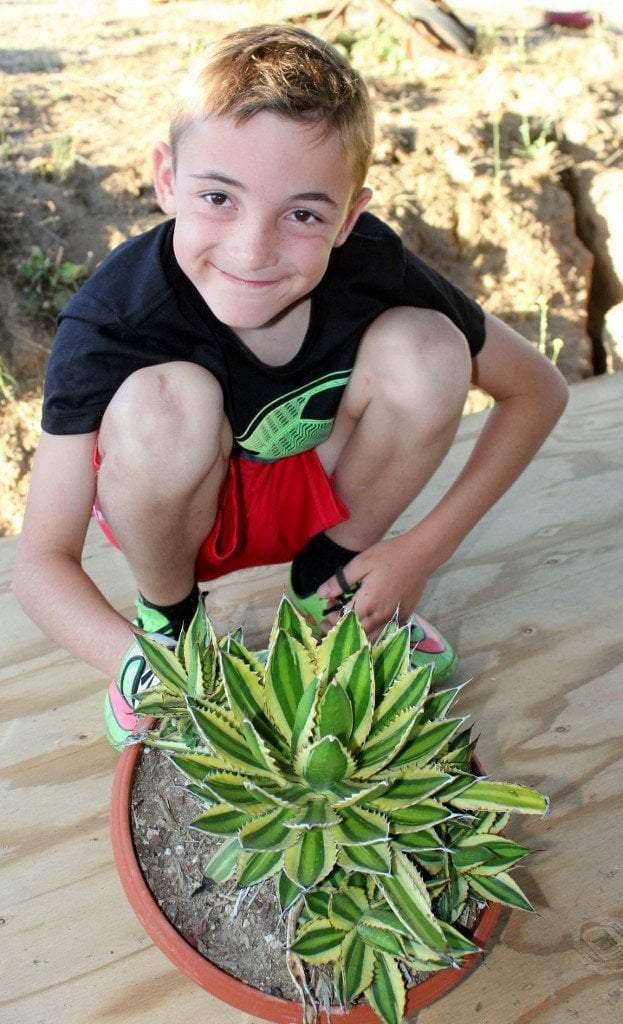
470	165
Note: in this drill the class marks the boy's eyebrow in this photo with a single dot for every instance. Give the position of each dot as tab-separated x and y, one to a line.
319	197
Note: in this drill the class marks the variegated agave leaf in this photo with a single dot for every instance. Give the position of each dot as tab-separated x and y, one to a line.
476	862
191	671
293	625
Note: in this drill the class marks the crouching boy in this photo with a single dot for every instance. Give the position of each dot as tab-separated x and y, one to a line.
267	376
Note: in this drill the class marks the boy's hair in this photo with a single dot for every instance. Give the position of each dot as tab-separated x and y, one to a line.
287	71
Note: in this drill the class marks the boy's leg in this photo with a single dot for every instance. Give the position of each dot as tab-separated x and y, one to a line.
164	443
397	419
163	448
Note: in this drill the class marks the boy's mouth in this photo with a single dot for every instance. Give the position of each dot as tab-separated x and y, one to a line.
245	282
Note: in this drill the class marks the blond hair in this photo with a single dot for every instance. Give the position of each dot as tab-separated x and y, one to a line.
285	70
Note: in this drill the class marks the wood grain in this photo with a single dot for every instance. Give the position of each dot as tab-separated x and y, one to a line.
533	602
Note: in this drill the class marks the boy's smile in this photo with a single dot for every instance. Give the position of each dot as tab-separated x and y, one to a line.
258	207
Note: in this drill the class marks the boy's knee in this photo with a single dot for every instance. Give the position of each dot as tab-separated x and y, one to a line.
418	362
170	409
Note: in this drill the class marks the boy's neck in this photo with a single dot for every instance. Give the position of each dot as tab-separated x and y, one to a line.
277	343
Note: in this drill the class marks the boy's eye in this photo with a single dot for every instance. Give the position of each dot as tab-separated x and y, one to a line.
215	198
306	217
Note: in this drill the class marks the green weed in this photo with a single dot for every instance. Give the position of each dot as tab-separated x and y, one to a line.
61	160
535	147
550	347
375	50
49	282
193	47
63	154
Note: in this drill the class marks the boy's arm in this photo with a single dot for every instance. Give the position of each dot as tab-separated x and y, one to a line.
49	581
530	395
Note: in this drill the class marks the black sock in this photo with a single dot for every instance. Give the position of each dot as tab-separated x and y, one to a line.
317	562
178	615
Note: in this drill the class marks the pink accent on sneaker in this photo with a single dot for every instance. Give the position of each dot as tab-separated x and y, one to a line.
124	715
431	641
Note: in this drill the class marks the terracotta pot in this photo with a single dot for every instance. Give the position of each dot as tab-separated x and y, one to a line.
218	982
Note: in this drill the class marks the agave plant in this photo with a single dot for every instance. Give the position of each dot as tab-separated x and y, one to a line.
332	767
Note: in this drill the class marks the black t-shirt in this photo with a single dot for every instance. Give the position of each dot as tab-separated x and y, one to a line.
139	309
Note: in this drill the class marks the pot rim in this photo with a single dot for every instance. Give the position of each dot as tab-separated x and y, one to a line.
218	982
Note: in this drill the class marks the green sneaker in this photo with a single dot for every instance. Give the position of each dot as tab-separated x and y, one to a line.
314	609
123	724
151	620
427	644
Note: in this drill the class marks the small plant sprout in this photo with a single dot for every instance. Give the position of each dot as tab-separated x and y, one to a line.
376	49
537	146
195	46
334	770
552	347
62	158
63	154
49	282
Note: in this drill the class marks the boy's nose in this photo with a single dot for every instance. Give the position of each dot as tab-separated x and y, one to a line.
255	250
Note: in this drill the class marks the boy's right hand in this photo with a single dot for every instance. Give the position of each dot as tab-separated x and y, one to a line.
123	725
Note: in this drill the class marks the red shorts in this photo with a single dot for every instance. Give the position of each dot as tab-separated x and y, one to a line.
267	511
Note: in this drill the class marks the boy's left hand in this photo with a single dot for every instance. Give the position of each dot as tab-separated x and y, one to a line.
389	577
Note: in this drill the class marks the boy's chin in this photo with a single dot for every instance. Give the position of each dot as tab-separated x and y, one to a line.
242	316
238	321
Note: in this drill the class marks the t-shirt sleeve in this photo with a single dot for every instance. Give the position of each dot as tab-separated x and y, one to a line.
425	287
88	363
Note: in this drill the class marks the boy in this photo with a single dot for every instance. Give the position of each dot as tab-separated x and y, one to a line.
268	377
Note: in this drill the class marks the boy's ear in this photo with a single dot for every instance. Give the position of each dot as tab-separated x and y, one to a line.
359	203
164	177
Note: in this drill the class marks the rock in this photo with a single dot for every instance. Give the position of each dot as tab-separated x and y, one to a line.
612	338
599	201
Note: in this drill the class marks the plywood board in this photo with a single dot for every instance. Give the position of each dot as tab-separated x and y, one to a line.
532	601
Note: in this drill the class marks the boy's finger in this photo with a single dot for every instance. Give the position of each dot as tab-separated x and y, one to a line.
329	589
344	580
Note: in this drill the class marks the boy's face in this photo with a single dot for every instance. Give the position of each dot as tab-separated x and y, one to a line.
259	207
